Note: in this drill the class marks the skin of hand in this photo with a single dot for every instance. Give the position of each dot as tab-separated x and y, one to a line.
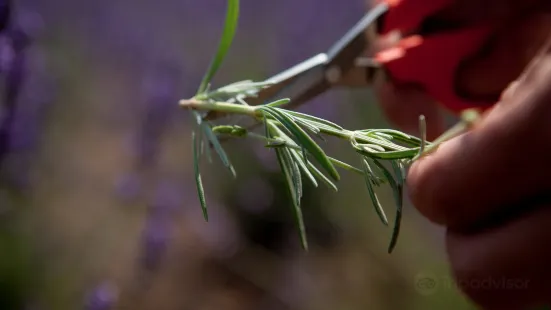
490	187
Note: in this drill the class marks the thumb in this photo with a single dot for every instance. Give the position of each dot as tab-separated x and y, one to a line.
501	162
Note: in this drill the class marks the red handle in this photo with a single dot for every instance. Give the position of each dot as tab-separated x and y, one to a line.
432	63
406	15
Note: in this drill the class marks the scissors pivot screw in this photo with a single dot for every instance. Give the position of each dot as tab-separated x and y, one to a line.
333	74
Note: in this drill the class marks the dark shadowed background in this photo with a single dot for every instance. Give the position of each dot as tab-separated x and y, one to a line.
98	208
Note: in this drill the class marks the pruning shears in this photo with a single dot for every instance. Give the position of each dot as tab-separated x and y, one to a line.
421	56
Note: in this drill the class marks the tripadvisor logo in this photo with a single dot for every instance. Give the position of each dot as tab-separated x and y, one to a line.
427	283
493	283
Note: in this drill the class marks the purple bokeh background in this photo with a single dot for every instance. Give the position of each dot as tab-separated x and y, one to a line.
98	166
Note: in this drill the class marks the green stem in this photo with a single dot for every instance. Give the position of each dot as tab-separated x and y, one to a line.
231	108
224	107
252	111
468	119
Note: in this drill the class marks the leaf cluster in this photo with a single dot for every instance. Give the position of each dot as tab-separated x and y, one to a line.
384	153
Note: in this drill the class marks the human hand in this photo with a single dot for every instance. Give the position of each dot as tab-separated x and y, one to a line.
490	187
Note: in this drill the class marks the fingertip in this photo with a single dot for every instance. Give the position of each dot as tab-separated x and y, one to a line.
419	187
428	182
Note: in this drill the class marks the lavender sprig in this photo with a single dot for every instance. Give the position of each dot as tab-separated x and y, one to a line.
290	135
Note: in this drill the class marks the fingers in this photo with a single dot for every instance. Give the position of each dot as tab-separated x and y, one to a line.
498	163
487	74
502	268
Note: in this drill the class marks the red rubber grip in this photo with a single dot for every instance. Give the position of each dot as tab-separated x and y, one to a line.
406	15
432	62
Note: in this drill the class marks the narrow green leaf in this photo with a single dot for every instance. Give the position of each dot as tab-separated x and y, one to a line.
304	139
230	26
197	117
242	86
323	128
297	176
288	159
374	177
233	130
403	137
313	118
376	204
365	138
318	174
345	165
278	103
241	100
208	152
222	129
383	135
397	190
322	177
423	131
232	92
308	126
389	155
202	147
397	167
288	170
239	131
396	134
403	169
205	146
199	183
281	134
375	147
399	194
218	148
266	128
276	144
302	163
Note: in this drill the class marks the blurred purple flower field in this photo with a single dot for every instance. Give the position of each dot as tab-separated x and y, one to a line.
98	208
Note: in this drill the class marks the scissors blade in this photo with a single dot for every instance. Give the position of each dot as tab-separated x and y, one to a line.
355	42
322	72
294	81
299	83
342	61
345	56
318	74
